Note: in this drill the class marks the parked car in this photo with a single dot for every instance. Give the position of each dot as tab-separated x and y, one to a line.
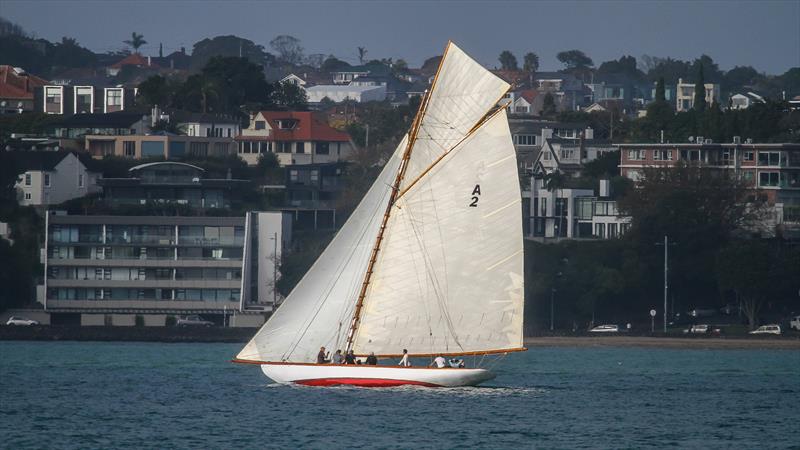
605	329
767	329
16	320
794	324
698	329
193	321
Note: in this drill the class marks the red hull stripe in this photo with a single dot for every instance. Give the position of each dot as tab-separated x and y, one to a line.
362	382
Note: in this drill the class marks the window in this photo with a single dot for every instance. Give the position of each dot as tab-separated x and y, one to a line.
301	147
769	158
662	155
113	100
52	104
768	179
726	157
546	156
80	180
283	147
314	175
261	125
636	155
83	100
323	148
748	156
47	179
293	175
748	176
567	154
129	148
27	179
600	230
287	124
525	139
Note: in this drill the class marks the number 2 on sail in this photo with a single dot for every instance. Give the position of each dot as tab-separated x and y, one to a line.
476	193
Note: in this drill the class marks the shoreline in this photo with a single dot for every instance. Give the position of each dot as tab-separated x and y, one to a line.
716	343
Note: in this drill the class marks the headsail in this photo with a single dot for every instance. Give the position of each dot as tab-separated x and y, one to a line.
318	310
449	276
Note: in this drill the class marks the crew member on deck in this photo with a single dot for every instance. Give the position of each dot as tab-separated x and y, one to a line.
405	362
350	358
322	357
372	360
439	362
338	358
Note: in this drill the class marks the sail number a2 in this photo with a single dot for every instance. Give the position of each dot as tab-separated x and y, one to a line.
476	194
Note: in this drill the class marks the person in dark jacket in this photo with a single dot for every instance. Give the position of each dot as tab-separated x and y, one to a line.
372	360
349	358
322	357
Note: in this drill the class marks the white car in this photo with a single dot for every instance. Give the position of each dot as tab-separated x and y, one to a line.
698	329
794	324
193	321
767	329
605	329
14	320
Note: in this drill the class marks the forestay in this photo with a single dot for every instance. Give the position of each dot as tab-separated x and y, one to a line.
319	309
449	275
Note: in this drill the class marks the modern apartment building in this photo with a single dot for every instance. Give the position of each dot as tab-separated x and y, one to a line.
167	146
684	95
83	99
106	270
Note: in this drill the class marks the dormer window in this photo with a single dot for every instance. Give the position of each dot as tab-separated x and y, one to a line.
260	124
286	124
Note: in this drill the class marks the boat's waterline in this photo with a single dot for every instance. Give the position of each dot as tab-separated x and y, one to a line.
373	376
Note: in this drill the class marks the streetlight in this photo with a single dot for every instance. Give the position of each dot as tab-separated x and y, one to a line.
666	245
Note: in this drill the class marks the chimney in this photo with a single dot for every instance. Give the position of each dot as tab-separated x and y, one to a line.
737	139
183	50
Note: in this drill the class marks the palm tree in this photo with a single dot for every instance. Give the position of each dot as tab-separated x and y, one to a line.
208	90
555	181
136	41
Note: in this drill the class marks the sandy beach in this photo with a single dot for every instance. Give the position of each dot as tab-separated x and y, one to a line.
664	342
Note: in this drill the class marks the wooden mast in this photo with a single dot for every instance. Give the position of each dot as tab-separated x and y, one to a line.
412	137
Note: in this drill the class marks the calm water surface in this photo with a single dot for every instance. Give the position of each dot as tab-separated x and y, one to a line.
137	395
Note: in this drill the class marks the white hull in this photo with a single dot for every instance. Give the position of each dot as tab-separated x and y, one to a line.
373	376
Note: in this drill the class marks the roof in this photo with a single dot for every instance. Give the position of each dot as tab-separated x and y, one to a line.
192	117
529	94
163	163
341	88
134	59
108	120
43	160
16	83
309	128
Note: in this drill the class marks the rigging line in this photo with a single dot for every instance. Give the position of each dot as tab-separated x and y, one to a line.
435	284
442	156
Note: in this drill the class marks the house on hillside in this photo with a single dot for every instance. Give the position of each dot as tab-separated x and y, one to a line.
208	125
17	90
83	99
50	178
743	100
134	60
684	98
295	137
526	101
110	124
568	156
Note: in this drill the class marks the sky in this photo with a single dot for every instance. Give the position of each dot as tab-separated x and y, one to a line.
762	34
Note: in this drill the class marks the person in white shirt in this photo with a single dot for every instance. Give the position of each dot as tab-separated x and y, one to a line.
405	362
439	362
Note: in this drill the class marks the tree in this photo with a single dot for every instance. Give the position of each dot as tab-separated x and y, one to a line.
156	90
574	59
660	91
700	91
739	77
745	267
333	64
669	69
136	41
556	181
289	95
507	60
400	66
626	65
315	60
362	53
531	63
288	48
229	46
431	65
548	105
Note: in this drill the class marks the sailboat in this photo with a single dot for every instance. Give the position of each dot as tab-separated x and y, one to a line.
430	261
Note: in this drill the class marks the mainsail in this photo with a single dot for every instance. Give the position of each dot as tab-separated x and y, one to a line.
448	270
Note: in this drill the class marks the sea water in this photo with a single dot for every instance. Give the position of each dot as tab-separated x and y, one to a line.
149	395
